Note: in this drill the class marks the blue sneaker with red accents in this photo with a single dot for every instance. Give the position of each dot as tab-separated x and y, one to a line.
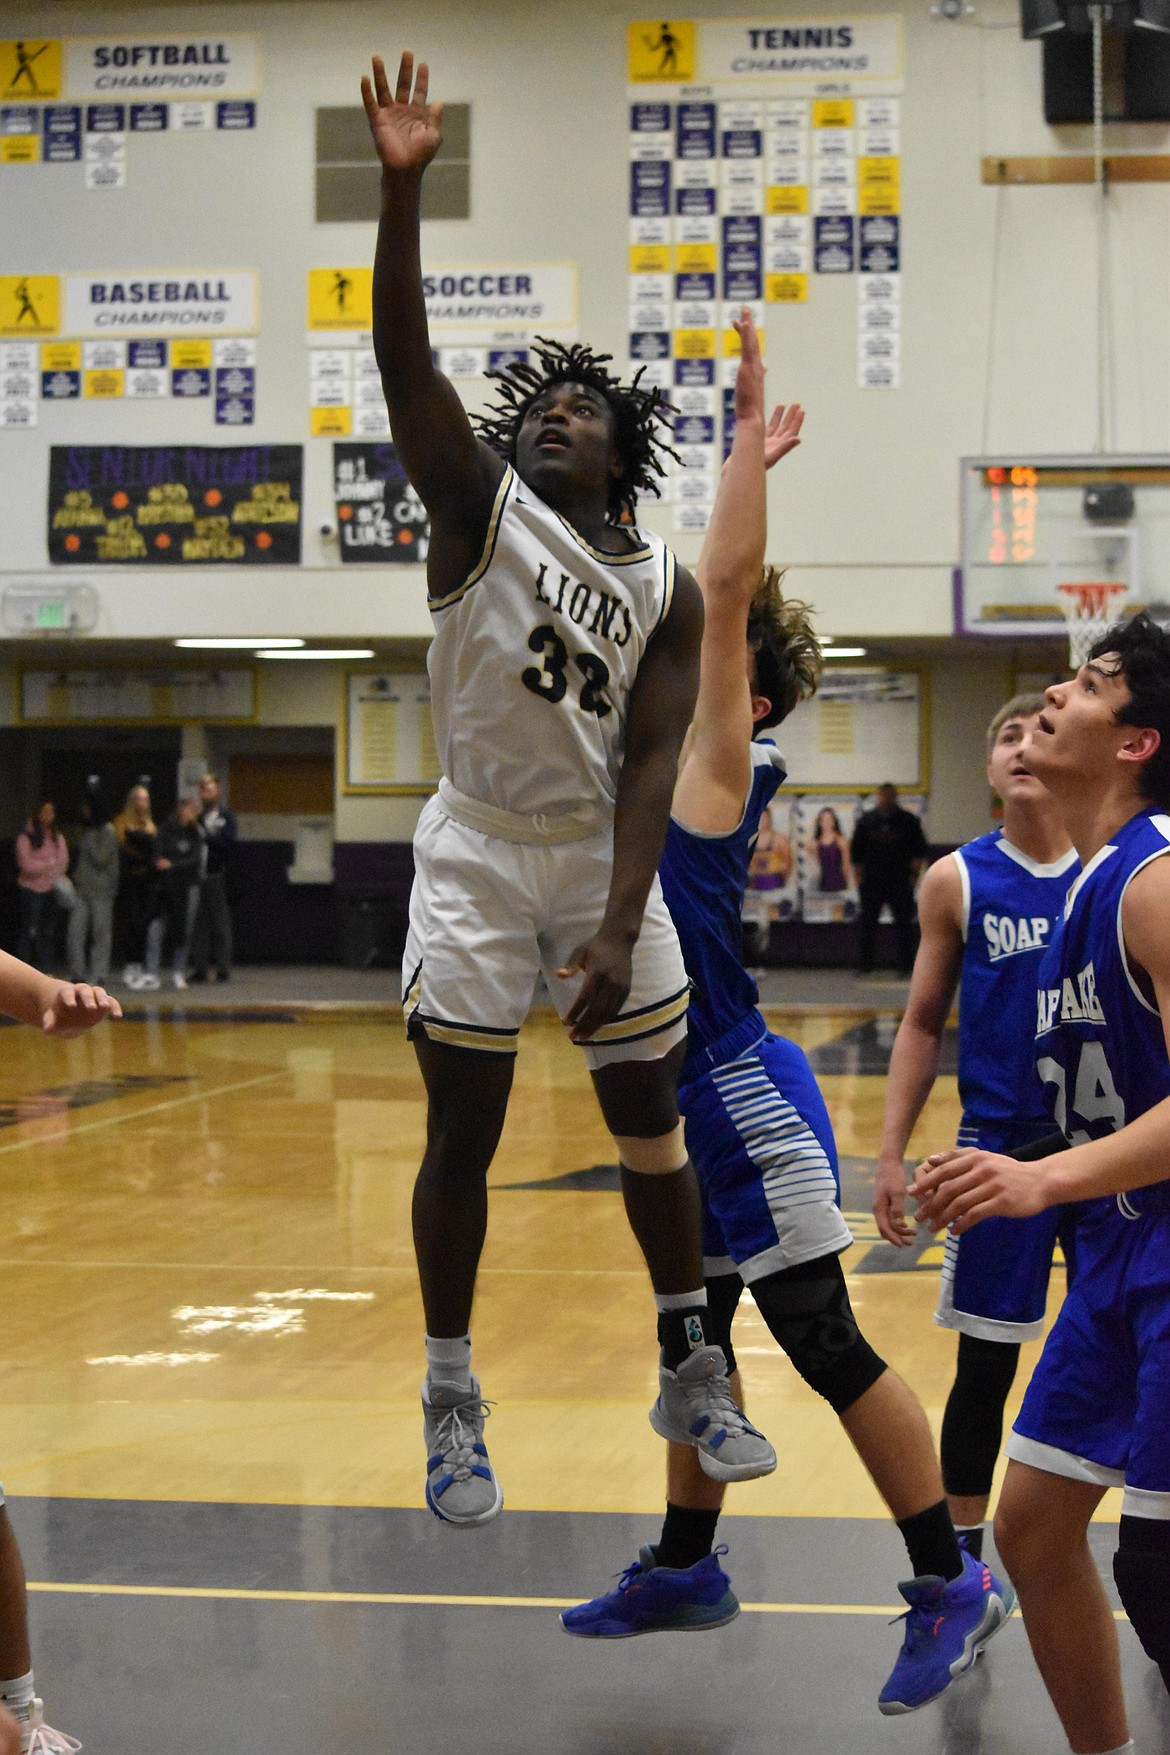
695	1406
461	1488
649	1598
947	1626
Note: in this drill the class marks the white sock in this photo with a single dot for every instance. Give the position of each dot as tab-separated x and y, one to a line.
18	1696
667	1301
449	1360
1121	1749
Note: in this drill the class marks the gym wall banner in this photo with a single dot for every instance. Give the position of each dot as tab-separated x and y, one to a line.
379	515
173	505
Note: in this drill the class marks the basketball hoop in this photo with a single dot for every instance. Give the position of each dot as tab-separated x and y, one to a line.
1090	607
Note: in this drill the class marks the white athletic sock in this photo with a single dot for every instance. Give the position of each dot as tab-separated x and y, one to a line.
667	1301
18	1696
449	1360
1121	1749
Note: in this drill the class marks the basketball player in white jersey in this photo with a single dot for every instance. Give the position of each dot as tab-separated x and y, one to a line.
564	670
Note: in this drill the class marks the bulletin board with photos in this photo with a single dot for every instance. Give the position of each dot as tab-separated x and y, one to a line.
863	727
388	735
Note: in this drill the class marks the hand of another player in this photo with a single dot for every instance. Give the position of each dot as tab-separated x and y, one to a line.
9	1733
782	433
407	130
889	1203
958	1188
607	963
78	1008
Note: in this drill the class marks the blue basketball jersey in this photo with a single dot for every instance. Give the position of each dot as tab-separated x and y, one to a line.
1100	1049
703	879
1010	908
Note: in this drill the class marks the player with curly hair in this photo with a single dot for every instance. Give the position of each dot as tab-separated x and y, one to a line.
758	1129
564	669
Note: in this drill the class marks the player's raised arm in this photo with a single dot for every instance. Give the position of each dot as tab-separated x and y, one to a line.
715	771
915	1057
454	475
661	704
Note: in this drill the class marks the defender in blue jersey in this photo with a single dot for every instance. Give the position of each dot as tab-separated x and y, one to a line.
1097	1412
987	914
758	1130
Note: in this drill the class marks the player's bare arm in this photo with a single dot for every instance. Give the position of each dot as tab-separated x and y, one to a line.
915	1057
960	1188
59	1008
661	704
715	771
454	474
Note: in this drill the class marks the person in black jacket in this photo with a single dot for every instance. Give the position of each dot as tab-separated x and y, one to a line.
213	924
178	865
888	851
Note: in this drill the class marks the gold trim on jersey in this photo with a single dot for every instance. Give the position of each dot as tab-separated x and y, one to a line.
507	481
470	1036
647	1021
645	553
669	574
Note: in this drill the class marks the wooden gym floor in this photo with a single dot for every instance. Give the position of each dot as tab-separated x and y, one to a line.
211	1356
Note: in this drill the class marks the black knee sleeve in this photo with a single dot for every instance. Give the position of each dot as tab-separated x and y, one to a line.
973	1421
807	1308
723	1295
1141	1567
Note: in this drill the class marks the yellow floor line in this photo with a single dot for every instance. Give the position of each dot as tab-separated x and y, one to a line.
204	1095
412	1600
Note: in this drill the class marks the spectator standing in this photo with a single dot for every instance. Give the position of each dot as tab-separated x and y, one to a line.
137	836
889	852
95	878
213	926
180	853
42	859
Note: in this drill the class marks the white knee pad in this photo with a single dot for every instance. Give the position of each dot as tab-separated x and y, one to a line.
657	1157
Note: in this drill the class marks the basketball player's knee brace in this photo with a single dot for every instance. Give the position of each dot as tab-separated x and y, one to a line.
1141	1567
660	1156
807	1308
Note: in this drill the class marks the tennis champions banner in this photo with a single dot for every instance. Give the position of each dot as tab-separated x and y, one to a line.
173	505
379	515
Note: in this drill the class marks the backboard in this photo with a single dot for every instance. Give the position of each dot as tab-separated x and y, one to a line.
1032	525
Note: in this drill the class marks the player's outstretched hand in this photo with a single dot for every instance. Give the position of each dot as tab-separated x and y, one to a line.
607	964
889	1203
782	433
960	1187
76	1009
407	130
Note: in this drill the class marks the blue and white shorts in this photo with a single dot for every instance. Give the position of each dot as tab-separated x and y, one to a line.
761	1141
995	1277
1098	1406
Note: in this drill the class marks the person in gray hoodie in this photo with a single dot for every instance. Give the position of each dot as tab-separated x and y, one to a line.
95	878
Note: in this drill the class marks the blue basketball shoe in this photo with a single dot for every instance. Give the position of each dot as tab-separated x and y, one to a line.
947	1626
650	1598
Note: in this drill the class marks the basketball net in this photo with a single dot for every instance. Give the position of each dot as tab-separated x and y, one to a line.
1090	607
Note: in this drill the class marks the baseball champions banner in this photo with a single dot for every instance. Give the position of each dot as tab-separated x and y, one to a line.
174	505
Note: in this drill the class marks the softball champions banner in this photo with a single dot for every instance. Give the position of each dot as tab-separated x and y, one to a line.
160	66
379	515
170	505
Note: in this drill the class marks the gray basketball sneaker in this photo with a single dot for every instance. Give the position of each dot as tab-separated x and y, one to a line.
695	1406
461	1488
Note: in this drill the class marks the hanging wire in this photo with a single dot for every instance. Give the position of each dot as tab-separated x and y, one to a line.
1101	184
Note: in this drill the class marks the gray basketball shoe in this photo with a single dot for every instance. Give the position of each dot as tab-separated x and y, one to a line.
695	1406
461	1488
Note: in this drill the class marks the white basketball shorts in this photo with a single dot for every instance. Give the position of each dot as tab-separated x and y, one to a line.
488	916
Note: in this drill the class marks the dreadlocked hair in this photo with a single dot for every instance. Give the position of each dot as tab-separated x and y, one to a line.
787	652
637	413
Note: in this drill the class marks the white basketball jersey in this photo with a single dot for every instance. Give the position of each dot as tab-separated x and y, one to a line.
534	657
